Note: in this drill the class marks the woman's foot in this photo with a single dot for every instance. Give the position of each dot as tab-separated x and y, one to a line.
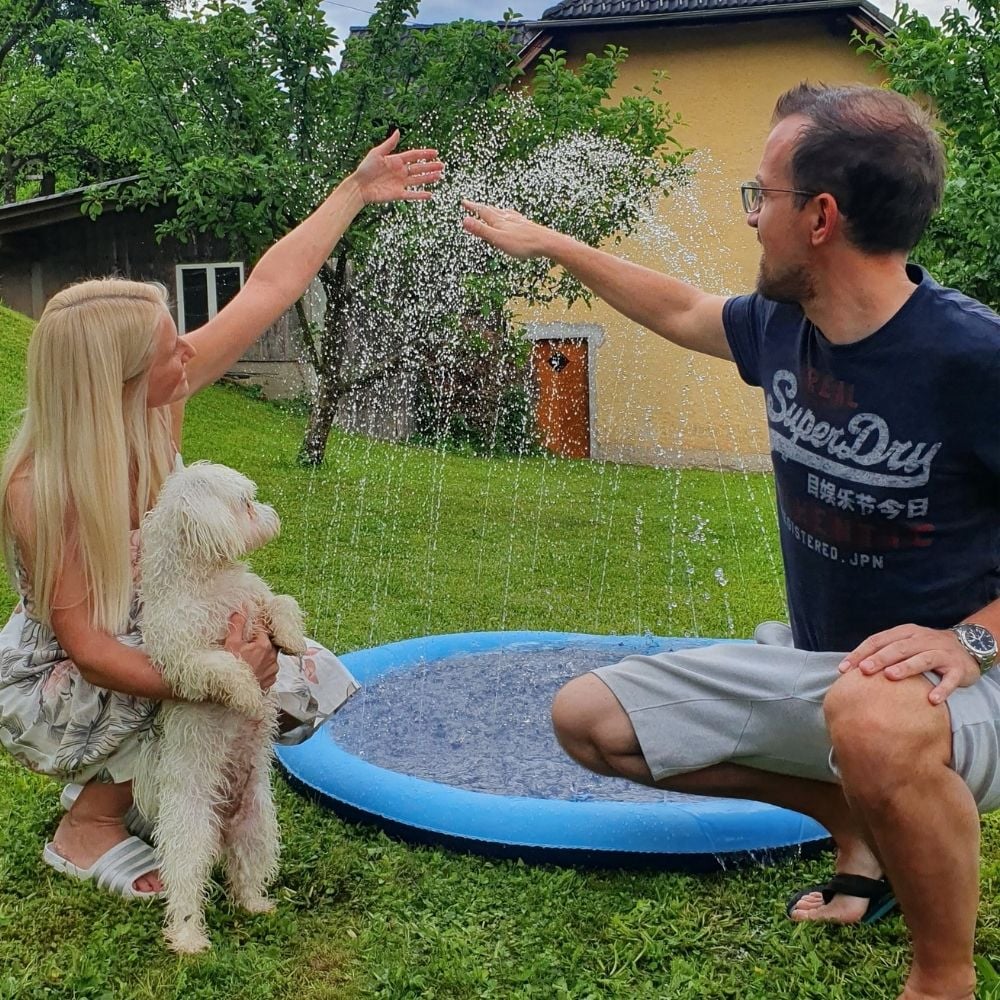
94	825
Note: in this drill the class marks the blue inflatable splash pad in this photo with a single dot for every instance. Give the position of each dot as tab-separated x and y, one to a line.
449	743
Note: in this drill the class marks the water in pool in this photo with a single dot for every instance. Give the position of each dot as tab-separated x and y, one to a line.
480	721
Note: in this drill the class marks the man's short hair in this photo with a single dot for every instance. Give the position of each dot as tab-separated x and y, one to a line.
876	152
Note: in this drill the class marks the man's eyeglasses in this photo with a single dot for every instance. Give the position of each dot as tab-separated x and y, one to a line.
753	195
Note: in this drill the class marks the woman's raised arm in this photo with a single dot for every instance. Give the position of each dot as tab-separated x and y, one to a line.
284	272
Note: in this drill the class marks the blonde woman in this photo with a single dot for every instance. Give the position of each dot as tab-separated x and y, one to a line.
107	380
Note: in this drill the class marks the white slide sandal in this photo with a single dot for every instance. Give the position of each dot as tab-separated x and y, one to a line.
115	870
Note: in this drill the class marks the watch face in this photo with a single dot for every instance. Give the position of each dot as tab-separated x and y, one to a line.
979	639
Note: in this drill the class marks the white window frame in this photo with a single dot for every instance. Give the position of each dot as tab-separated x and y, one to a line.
209	269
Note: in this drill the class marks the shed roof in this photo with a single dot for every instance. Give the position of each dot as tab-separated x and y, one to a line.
47	209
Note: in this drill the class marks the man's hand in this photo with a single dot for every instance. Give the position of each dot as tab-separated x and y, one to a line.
507	230
908	650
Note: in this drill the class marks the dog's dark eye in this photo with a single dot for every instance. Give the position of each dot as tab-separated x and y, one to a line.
251	510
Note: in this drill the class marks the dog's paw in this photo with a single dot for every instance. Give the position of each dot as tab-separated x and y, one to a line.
219	676
293	645
284	620
187	939
245	698
257	904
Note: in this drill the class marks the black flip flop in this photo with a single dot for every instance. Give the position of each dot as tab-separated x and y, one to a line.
877	891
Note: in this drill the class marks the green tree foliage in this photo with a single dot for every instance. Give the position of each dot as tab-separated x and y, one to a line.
54	131
237	117
957	65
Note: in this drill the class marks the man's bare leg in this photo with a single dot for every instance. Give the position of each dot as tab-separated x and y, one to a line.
922	817
594	730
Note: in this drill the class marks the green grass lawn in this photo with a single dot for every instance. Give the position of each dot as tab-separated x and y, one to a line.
386	542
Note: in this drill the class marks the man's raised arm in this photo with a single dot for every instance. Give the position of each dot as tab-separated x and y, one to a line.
675	310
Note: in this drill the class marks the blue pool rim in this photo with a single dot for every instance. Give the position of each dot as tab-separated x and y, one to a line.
707	835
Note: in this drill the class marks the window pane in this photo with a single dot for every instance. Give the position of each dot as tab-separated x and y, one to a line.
227	284
195	284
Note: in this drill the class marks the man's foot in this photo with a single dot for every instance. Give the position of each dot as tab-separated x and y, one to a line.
957	993
83	842
958	983
876	892
909	994
843	908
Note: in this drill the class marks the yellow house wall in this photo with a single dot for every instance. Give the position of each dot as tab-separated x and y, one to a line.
654	403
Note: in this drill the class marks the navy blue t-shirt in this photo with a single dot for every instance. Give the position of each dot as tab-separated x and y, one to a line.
887	461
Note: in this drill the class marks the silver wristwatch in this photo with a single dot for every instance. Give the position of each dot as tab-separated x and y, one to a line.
979	642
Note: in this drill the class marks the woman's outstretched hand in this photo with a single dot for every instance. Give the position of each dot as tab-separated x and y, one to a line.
387	176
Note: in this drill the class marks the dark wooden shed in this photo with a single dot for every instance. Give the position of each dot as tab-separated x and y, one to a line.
47	242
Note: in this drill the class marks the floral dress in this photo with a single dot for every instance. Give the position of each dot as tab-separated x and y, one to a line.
57	723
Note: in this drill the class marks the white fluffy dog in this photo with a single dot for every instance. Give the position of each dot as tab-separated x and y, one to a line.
207	779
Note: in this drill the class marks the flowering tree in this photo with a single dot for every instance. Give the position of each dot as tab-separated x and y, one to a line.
434	309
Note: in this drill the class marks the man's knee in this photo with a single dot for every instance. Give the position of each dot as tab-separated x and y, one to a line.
880	727
590	723
578	707
846	706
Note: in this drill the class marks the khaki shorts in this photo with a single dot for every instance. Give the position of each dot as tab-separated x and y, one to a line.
760	704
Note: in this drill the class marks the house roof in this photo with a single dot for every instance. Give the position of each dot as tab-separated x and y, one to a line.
576	10
531	38
534	37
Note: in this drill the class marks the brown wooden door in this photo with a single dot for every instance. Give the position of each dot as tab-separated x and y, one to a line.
563	413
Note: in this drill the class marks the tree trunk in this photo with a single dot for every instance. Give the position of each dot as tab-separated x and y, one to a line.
328	360
324	409
327	351
9	179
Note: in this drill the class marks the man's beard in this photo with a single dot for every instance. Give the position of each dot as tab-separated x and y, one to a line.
792	286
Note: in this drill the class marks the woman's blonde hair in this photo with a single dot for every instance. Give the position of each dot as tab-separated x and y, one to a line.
98	455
